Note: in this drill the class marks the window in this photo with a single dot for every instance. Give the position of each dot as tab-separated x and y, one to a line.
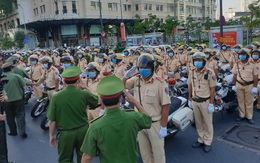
64	7
56	8
157	7
99	4
161	8
146	19
124	7
114	6
161	20
43	8
145	6
136	7
74	7
109	6
129	7
171	8
35	11
93	4
150	7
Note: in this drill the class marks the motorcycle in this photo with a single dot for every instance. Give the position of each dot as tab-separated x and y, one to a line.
41	105
178	87
27	94
45	123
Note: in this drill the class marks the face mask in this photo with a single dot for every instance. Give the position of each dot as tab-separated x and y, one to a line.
136	57
145	72
23	55
27	55
92	75
141	49
126	53
236	50
224	48
34	62
45	65
198	64
180	51
189	52
242	57
66	65
80	56
173	47
94	53
75	55
196	48
255	57
101	60
170	54
200	50
114	61
207	56
185	47
55	55
131	52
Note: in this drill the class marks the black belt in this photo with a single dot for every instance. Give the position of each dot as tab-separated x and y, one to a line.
154	121
50	89
72	128
35	80
199	100
245	84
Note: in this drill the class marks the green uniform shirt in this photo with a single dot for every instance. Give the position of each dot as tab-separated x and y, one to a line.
114	135
68	108
20	72
14	88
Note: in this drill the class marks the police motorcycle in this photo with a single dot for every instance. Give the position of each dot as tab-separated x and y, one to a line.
27	94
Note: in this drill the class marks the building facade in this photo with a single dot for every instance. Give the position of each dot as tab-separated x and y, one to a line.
245	3
74	22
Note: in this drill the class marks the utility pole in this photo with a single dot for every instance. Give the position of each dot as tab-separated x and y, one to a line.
101	22
24	24
221	25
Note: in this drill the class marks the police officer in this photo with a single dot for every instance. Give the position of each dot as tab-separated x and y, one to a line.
160	69
115	125
172	65
211	62
67	113
104	63
201	86
245	79
67	61
120	67
82	62
152	92
224	55
35	74
189	62
56	58
20	63
15	105
234	57
17	70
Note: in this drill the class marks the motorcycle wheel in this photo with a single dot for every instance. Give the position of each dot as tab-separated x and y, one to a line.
38	109
45	123
27	96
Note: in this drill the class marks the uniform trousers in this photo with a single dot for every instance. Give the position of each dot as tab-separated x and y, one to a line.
37	92
151	147
258	98
203	121
15	110
245	100
71	140
3	148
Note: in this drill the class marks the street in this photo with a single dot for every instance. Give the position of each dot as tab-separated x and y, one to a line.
36	148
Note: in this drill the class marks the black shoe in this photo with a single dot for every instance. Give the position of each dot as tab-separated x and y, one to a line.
197	144
239	119
251	121
207	148
24	136
12	134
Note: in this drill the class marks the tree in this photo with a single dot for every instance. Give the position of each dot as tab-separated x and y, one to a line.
19	39
168	27
7	43
6	7
153	24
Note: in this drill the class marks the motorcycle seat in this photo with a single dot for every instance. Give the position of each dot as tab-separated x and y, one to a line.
175	104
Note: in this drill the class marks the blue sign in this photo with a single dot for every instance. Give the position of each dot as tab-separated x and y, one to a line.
222	21
26	39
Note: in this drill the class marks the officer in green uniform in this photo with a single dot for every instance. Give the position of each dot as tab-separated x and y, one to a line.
15	105
17	70
113	135
67	112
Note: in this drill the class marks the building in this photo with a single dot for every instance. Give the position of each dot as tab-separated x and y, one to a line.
74	22
245	3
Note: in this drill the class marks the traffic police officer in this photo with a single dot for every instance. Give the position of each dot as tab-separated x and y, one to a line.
17	70
67	113
153	94
106	132
160	69
245	79
211	62
201	86
104	63
234	57
120	67
56	58
82	62
224	55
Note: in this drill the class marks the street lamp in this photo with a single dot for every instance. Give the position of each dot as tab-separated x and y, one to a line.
25	29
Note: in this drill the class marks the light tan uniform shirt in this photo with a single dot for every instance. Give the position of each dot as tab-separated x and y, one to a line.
247	71
82	64
212	64
224	56
105	67
21	65
128	59
154	94
50	76
172	64
181	58
120	70
161	72
56	60
36	72
200	86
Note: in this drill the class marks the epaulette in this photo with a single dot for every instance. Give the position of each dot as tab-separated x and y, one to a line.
128	110
96	118
160	79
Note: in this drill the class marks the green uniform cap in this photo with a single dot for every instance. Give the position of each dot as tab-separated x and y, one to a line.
110	85
71	72
12	58
7	64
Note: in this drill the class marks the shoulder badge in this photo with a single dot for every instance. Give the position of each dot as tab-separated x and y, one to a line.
96	118
160	79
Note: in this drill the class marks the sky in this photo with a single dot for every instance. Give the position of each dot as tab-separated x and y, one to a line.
235	4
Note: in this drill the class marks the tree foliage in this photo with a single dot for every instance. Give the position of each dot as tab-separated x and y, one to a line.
19	39
6	7
7	43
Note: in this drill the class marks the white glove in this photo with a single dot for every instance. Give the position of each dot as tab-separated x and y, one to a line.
101	112
219	84
171	73
190	104
254	91
162	132
234	88
211	108
130	72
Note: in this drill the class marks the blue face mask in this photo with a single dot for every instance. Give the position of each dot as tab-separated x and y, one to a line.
207	56
255	57
180	51
242	57
126	53
131	52
92	75
23	55
34	62
45	65
94	53
170	54
66	65
145	72
136	57
141	49
200	50
114	61
224	48
189	52
101	60
80	56
198	64
55	55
